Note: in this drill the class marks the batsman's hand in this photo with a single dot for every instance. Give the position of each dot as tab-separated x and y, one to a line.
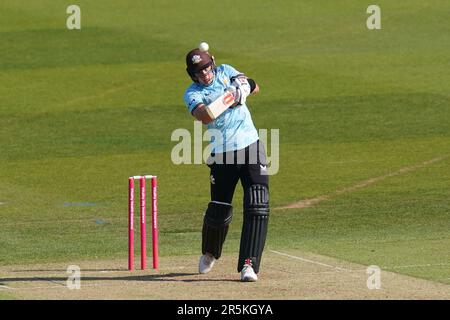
243	89
237	97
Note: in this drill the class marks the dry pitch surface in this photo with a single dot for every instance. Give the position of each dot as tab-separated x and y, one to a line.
284	275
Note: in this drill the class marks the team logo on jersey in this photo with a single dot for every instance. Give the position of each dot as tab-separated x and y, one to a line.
196	59
213	181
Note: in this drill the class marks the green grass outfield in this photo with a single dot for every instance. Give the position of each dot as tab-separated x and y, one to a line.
82	110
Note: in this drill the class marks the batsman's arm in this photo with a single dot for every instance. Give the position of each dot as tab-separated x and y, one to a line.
201	114
254	88
207	113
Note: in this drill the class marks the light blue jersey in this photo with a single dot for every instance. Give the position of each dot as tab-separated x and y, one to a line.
233	129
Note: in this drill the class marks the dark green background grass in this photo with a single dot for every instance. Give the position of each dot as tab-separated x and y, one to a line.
80	111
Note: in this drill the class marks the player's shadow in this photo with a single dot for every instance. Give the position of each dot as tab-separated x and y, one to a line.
64	270
170	277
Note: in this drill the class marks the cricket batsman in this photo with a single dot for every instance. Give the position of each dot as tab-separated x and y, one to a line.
218	98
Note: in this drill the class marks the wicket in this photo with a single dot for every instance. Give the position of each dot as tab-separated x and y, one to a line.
142	205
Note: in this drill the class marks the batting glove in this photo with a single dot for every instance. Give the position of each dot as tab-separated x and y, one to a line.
243	89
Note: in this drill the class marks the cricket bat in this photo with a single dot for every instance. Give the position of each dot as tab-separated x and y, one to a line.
222	103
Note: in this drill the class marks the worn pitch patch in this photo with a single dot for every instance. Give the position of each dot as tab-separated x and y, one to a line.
306	203
291	274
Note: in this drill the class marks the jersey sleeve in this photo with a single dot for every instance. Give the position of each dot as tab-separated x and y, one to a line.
192	99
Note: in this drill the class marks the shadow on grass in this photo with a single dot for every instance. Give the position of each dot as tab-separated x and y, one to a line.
172	277
64	270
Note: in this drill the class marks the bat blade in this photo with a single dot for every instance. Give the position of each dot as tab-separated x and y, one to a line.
222	103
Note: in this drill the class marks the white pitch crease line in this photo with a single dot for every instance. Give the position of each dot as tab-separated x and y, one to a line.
6	287
309	261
